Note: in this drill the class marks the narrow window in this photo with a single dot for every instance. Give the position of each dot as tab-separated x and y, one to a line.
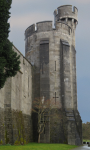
28	86
44	130
44	54
42	68
55	65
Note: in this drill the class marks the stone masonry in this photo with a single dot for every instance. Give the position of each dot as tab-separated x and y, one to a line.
48	70
16	96
52	52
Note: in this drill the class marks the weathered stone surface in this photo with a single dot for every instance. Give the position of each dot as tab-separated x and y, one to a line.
56	69
2	126
48	70
16	95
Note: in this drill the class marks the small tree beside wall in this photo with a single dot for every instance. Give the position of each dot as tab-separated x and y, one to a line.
43	109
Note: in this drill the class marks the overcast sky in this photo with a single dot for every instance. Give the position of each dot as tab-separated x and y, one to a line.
26	12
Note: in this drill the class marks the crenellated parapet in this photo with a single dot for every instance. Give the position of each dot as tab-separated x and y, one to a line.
29	31
44	26
40	27
66	13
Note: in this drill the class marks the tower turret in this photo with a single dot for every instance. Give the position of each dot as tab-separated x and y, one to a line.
53	54
67	14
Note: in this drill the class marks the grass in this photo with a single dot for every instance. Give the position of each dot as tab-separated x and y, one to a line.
41	146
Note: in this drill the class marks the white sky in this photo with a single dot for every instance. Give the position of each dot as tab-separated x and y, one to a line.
26	12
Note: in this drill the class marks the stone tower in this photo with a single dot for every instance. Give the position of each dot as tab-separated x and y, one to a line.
52	53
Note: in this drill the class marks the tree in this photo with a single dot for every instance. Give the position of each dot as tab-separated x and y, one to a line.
9	60
43	109
86	130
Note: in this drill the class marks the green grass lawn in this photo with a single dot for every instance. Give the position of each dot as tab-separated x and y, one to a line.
36	146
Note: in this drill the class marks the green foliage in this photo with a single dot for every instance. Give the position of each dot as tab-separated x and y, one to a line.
86	130
9	61
5	5
1	142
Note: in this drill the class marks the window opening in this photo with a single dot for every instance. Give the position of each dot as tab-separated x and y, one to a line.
55	65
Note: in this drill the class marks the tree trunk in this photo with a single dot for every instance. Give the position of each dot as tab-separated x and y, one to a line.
39	138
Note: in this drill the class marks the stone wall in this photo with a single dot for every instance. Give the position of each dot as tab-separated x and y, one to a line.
57	126
22	127
16	95
2	126
78	122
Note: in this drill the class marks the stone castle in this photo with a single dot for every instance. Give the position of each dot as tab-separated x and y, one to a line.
48	70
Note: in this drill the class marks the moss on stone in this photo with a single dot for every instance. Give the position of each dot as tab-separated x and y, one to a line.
17	142
1	142
6	138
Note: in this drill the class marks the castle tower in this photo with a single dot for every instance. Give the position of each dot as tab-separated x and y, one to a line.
52	53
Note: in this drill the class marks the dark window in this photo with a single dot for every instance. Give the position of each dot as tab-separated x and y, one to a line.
44	53
28	86
55	65
44	130
44	69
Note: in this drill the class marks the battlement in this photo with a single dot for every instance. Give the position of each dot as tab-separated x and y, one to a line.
29	31
40	27
47	26
66	12
44	26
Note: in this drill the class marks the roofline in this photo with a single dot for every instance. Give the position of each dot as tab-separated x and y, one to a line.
22	55
44	21
64	6
29	27
68	5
